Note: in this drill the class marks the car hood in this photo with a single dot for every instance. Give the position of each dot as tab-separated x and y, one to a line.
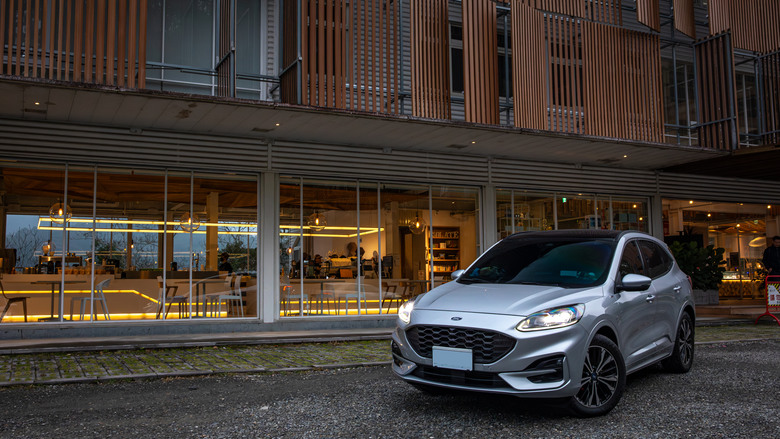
518	300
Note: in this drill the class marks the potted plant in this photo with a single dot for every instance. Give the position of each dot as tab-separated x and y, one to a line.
705	266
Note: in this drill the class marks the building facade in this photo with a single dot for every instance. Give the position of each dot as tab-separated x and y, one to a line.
344	156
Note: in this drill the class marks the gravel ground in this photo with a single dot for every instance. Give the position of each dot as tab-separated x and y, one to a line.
730	393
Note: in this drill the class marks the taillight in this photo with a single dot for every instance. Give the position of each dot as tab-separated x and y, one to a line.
690	282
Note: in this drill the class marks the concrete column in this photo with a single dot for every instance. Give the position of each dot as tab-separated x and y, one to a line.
488	208
268	260
655	212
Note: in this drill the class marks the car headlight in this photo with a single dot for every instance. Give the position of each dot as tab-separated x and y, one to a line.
552	318
405	311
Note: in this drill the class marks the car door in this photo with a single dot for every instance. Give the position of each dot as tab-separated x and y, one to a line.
666	288
634	313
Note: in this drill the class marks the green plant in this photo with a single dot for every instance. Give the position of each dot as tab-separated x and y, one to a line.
705	265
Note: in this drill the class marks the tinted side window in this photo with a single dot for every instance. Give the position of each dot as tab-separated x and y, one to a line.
631	262
657	261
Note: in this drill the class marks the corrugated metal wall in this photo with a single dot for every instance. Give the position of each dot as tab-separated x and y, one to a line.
53	142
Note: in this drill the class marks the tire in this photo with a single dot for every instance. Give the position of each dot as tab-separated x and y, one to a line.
681	359
603	379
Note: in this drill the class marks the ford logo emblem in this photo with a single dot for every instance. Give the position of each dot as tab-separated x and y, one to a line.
457	319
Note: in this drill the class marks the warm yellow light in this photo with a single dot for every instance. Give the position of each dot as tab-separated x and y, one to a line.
641	218
709	215
634	206
690	202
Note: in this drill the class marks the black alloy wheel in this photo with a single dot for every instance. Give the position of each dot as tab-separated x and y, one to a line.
603	379
681	359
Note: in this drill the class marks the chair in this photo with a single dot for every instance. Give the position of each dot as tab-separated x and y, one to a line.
210	298
359	295
99	296
391	294
289	294
164	289
11	300
230	297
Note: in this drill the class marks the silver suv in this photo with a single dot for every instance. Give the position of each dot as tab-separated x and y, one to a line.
560	314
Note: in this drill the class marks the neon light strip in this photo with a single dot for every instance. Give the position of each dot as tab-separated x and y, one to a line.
363	231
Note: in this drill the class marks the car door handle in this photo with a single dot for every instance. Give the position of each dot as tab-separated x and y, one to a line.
650	298
677	289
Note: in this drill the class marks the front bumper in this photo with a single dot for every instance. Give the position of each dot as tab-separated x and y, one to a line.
540	364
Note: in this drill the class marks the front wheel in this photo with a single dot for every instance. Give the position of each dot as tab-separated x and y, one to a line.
681	359
603	379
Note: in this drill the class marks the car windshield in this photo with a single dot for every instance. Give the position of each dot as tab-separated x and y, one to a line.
569	263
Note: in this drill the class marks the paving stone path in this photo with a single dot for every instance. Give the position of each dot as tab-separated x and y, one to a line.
70	367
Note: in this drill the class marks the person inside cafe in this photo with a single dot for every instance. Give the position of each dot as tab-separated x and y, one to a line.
771	257
224	264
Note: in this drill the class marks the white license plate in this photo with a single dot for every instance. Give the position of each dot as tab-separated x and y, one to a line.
452	358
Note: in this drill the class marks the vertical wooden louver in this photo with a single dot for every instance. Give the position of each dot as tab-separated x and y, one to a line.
600	11
585	77
480	61
226	62
288	79
529	78
348	53
322	49
564	72
93	41
372	70
770	74
430	59
684	18
715	89
648	13
623	85
754	24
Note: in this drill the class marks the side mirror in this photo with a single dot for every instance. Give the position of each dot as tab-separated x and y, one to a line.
456	274
633	282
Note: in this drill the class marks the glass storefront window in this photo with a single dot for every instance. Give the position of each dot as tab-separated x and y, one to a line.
577	212
739	228
101	236
520	211
364	248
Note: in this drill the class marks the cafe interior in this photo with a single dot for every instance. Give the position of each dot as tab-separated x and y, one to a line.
90	244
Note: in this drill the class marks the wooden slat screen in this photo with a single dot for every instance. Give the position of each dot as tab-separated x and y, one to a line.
770	75
430	59
372	69
754	24
715	88
529	79
288	80
480	61
564	73
622	93
648	13
225	78
39	37
319	53
349	54
601	11
684	18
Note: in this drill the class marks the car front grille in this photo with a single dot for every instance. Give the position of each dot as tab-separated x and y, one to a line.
486	346
483	380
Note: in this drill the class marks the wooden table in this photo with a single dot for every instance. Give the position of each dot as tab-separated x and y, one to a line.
52	282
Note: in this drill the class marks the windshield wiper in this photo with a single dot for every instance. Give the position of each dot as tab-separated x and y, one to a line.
474	280
537	283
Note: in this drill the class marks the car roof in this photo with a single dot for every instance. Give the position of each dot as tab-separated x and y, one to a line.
574	233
